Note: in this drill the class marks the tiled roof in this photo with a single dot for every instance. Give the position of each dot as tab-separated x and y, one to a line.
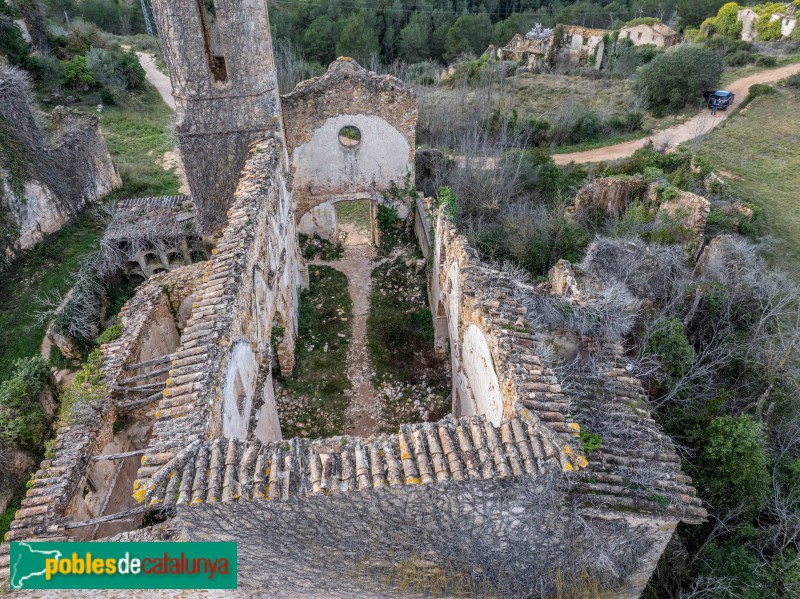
467	448
166	216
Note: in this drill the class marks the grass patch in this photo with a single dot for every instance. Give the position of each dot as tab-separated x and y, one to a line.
759	148
400	340
138	133
355	212
44	270
601	143
733	73
314	403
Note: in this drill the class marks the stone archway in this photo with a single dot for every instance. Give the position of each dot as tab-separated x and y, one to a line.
357	221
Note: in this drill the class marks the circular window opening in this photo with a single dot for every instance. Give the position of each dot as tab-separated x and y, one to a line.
349	136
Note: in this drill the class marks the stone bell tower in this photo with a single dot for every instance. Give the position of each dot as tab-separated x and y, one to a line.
219	56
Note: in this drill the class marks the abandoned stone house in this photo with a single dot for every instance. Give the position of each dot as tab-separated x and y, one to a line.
750	18
499	491
657	34
564	46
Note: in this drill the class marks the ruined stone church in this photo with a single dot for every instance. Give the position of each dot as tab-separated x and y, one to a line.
498	499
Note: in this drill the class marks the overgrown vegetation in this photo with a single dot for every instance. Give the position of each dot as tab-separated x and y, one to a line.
313	401
315	247
677	77
412	380
22	420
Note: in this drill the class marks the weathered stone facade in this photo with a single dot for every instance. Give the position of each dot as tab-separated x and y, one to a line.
565	46
658	35
325	170
55	180
225	98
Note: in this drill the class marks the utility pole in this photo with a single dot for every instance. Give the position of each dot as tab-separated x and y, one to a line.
147	23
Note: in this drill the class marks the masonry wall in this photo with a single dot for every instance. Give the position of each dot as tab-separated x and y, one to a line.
221	382
505	538
55	179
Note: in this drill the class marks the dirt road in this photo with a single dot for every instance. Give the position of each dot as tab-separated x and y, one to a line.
158	79
691	129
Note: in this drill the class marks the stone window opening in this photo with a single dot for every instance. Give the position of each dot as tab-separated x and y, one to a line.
349	136
212	41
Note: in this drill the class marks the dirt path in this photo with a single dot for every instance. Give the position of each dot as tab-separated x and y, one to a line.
364	410
691	129
158	79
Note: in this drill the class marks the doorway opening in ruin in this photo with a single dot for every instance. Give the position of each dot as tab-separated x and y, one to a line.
212	40
357	222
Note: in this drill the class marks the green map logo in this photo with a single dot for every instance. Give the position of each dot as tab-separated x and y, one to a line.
123	565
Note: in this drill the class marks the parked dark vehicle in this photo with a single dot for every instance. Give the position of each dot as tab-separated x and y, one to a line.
720	99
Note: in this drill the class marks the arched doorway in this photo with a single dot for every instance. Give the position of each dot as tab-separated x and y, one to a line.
357	222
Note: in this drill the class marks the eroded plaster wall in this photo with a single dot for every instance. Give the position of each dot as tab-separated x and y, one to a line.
324	170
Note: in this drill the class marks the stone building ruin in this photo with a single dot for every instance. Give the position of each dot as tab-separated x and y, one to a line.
326	166
499	495
564	46
51	180
657	34
154	235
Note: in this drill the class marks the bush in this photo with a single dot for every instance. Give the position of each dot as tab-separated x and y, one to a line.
793	81
131	71
115	70
22	421
77	74
733	467
766	61
739	58
668	341
12	46
693	35
759	89
79	403
677	76
103	67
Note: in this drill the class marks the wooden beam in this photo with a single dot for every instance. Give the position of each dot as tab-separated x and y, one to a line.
152	362
117	456
140	388
109	518
137	403
141	377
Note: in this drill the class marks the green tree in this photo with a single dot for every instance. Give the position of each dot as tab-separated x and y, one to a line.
732	468
77	73
319	39
469	34
415	38
359	38
668	341
516	23
678	76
